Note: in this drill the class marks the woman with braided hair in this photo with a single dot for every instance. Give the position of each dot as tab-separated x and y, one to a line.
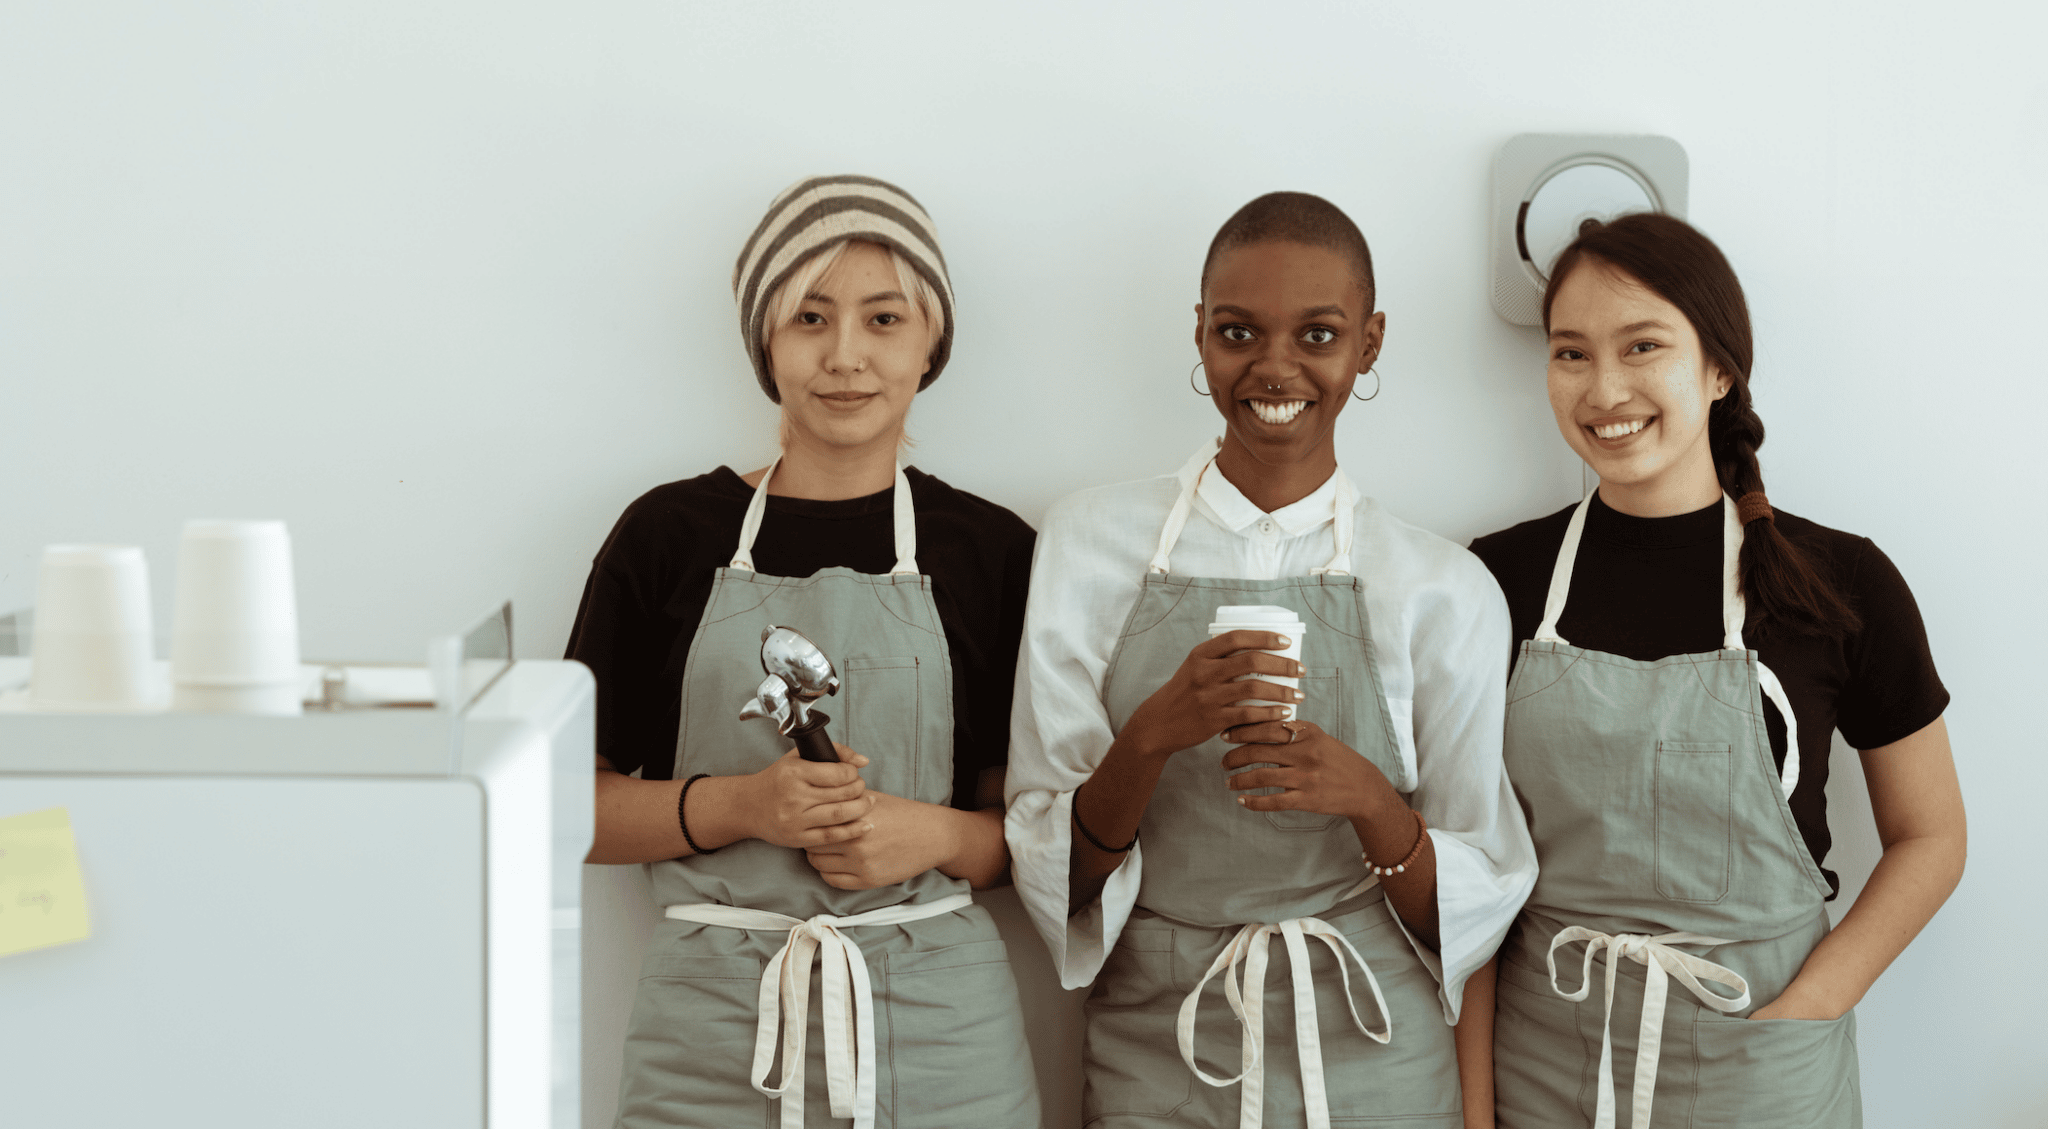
1684	654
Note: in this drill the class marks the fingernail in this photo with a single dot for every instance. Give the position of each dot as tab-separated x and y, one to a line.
1298	695
1240	801
1286	642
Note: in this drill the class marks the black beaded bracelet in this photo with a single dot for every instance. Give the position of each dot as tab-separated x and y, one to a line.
1090	835
685	824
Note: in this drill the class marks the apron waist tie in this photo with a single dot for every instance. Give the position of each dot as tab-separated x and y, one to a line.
847	1000
1249	947
1662	960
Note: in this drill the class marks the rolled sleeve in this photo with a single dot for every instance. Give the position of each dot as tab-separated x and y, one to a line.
1060	729
1486	861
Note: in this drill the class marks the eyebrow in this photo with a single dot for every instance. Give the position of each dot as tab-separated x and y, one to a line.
1632	327
884	296
1311	312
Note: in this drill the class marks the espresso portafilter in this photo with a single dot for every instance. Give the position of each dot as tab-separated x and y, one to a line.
799	673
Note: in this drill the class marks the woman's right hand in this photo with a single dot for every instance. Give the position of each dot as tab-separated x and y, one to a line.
799	803
1200	700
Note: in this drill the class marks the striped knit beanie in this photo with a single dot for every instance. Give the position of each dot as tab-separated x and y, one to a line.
810	217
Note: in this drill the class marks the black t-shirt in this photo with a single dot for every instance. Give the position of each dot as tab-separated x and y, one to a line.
1645	588
650	582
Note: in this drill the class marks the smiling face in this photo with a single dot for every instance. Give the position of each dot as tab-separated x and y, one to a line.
1284	329
1631	389
847	364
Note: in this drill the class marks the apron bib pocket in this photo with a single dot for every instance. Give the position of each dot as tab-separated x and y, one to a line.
1695	785
881	706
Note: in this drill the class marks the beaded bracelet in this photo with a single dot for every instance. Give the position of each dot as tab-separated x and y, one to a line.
680	800
1090	835
1421	837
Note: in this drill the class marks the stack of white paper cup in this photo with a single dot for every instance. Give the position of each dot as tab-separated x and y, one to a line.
1264	617
235	632
92	641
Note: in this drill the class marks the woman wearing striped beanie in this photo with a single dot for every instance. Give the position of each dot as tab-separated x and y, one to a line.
768	865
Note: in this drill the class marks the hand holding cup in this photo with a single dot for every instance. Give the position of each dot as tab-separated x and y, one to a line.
1205	696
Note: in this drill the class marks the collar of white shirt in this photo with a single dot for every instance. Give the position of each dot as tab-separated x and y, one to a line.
1227	506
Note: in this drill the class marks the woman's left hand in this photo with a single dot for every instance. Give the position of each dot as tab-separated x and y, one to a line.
1319	772
1795	1004
906	839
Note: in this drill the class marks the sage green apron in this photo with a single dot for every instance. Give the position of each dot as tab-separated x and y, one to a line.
1210	866
918	1022
1666	848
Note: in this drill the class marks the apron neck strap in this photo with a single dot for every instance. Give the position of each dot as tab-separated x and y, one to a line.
1190	478
1733	608
905	513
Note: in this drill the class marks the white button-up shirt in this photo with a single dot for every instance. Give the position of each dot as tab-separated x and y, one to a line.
1440	633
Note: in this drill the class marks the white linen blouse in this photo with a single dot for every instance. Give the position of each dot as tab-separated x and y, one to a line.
1440	630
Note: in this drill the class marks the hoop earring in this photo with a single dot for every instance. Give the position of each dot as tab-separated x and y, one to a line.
1191	380
1375	386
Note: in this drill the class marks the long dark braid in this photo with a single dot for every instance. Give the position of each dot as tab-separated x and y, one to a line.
1779	580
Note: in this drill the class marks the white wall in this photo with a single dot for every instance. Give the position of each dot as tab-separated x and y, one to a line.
445	286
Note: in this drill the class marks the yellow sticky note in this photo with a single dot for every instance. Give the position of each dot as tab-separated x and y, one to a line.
42	895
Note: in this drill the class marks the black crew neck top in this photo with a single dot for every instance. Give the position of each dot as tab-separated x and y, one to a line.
650	582
1646	588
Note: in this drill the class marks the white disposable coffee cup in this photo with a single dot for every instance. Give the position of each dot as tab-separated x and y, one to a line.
235	629
93	644
1264	617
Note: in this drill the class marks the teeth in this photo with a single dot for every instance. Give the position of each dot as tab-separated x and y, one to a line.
1617	430
1278	413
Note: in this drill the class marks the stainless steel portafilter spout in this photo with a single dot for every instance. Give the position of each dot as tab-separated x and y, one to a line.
771	701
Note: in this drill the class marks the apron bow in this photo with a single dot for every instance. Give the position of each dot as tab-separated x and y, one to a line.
846	1001
1663	961
1249	947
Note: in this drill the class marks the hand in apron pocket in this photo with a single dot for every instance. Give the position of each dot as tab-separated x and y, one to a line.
1776	1073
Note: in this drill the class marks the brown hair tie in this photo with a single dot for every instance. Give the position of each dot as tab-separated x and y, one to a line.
1752	506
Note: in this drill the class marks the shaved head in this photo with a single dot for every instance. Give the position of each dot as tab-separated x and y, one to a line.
1296	217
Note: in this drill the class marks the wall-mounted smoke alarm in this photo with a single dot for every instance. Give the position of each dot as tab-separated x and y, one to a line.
1546	184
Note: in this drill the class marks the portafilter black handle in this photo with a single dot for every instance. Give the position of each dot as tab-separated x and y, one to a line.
812	742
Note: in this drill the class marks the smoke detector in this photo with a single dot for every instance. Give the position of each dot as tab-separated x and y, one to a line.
1545	185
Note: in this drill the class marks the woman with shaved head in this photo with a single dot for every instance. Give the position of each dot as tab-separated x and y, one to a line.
1180	797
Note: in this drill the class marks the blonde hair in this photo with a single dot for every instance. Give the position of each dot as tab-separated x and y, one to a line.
783	304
